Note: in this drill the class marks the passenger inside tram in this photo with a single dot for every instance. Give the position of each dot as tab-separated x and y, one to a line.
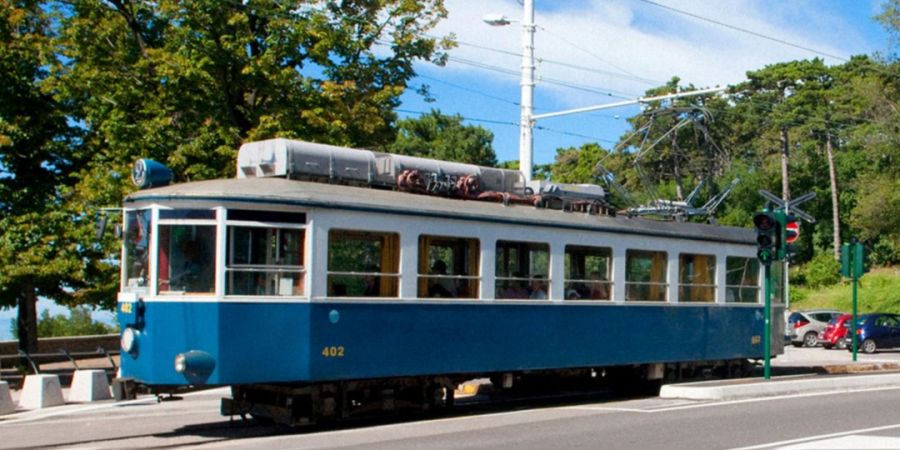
441	285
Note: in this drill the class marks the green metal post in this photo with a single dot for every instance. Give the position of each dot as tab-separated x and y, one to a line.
767	328
853	329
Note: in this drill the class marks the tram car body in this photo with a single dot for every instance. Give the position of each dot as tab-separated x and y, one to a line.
290	284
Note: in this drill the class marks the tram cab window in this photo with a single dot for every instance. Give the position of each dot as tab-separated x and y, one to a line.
522	270
363	264
587	273
696	278
448	267
137	250
264	260
741	280
645	275
186	259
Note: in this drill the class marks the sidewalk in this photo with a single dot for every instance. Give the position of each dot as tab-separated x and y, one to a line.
800	371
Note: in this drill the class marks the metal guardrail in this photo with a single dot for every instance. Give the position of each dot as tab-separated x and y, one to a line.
34	360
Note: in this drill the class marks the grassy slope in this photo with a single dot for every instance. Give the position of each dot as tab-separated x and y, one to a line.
878	291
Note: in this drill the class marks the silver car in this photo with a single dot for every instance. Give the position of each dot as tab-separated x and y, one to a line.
803	327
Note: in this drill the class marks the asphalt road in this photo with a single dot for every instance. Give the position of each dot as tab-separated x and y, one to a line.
867	419
864	419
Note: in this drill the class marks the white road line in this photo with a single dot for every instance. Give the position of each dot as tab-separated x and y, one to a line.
819	437
707	404
63	411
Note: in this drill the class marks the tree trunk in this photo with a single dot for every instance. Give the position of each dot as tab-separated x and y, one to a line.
26	323
785	186
835	206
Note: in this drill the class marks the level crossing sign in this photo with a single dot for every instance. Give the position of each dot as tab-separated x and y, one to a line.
792	231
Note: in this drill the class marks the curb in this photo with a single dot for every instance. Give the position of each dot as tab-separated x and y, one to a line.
757	387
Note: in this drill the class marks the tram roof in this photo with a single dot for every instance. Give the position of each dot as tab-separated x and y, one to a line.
279	191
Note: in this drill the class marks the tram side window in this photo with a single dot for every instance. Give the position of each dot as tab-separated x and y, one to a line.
264	261
448	267
587	273
645	275
137	250
741	280
186	261
363	264
522	270
697	278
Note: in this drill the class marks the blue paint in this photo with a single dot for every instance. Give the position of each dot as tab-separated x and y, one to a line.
285	342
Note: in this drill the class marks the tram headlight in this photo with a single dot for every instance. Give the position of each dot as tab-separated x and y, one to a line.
129	340
195	365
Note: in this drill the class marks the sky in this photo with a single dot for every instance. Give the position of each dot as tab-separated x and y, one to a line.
604	51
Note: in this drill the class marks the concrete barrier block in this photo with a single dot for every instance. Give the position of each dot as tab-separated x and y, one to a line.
89	386
6	404
41	391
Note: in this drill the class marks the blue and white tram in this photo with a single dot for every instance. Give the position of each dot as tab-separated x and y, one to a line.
296	291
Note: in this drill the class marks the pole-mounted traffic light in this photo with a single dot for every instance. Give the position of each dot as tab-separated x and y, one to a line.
766	232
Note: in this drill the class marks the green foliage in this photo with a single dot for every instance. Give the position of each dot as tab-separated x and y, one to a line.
877	292
77	323
438	136
822	270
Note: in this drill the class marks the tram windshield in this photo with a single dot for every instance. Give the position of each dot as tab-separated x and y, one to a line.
137	250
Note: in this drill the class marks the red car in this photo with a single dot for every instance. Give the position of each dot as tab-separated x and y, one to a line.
834	332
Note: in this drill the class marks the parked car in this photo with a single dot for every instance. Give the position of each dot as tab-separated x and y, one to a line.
803	327
834	333
875	331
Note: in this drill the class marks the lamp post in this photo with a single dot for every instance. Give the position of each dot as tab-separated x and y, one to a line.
526	117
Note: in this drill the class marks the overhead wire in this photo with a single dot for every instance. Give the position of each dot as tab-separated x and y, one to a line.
743	30
501	122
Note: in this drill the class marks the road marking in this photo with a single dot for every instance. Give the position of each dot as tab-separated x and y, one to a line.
710	403
852	441
39	414
823	437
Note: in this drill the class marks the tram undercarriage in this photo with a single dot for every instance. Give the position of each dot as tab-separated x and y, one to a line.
316	403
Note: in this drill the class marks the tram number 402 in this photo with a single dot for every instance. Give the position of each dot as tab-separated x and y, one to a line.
333	351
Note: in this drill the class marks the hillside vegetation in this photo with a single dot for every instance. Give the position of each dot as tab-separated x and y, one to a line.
878	291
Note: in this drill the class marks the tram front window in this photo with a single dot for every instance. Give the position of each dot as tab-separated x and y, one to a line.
186	261
137	250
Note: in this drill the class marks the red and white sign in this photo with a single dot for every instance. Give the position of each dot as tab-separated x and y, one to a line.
792	231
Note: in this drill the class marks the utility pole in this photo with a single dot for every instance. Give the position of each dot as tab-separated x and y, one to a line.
526	119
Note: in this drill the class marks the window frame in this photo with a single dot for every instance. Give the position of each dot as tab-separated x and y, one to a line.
381	276
277	270
571	285
683	287
473	278
157	235
742	287
501	286
659	286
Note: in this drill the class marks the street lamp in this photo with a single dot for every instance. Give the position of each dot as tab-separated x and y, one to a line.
526	119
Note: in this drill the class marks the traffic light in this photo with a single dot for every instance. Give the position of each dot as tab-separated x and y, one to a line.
846	270
766	234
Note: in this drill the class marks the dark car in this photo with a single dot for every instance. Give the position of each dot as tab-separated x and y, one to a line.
875	331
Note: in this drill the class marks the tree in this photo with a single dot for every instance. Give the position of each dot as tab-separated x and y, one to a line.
438	136
88	86
890	19
38	255
78	323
